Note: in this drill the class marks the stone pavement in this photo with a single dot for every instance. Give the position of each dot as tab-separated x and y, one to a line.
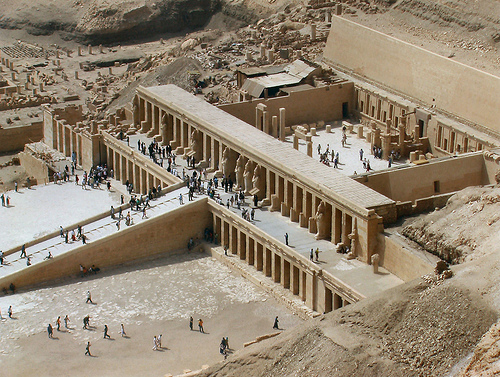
349	161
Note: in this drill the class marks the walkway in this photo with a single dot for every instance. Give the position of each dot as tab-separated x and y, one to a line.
93	231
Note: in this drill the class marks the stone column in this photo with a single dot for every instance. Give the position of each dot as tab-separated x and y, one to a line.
282	124
274	126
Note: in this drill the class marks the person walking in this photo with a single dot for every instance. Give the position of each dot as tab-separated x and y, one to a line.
89	298
286	239
9	311
50	331
311	255
200	325
86	320
317	254
155	344
122	330
58	323
158	340
191	323
23	251
87	350
180	199
66	320
106	335
1	257
276	323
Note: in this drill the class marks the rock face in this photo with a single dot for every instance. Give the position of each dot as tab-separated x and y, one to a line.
101	21
466	229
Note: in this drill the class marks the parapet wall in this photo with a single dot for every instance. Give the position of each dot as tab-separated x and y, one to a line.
458	89
437	177
306	106
163	234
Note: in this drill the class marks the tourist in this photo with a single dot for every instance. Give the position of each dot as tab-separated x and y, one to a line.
180	199
86	321
155	343
106	335
311	257
317	254
23	251
9	311
191	323
58	323
158	339
28	261
61	231
87	350
122	330
286	239
49	256
89	298
200	325
1	257
50	331
276	323
66	320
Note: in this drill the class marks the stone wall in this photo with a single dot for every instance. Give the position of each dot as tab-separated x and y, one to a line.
307	106
163	234
13	139
401	261
34	167
416	182
410	70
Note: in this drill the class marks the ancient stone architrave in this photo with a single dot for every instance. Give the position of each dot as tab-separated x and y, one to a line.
240	166
248	175
321	222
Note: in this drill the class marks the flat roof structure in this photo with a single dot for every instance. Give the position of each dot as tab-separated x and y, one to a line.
268	148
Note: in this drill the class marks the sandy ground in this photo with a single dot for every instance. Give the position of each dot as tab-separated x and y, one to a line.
150	298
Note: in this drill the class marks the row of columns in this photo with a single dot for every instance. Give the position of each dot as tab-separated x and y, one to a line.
67	139
126	168
275	262
272	187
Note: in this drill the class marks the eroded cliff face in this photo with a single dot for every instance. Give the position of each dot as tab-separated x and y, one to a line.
102	21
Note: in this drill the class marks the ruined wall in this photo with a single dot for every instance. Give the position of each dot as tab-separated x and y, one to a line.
34	167
308	106
164	234
458	89
414	182
14	138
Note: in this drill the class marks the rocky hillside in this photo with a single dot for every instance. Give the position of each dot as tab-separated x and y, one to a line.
422	328
101	21
466	229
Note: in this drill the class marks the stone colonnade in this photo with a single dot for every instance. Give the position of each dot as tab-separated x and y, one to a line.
319	290
130	165
296	197
92	145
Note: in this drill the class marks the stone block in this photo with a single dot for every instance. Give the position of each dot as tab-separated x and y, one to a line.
313	131
328	129
312	225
